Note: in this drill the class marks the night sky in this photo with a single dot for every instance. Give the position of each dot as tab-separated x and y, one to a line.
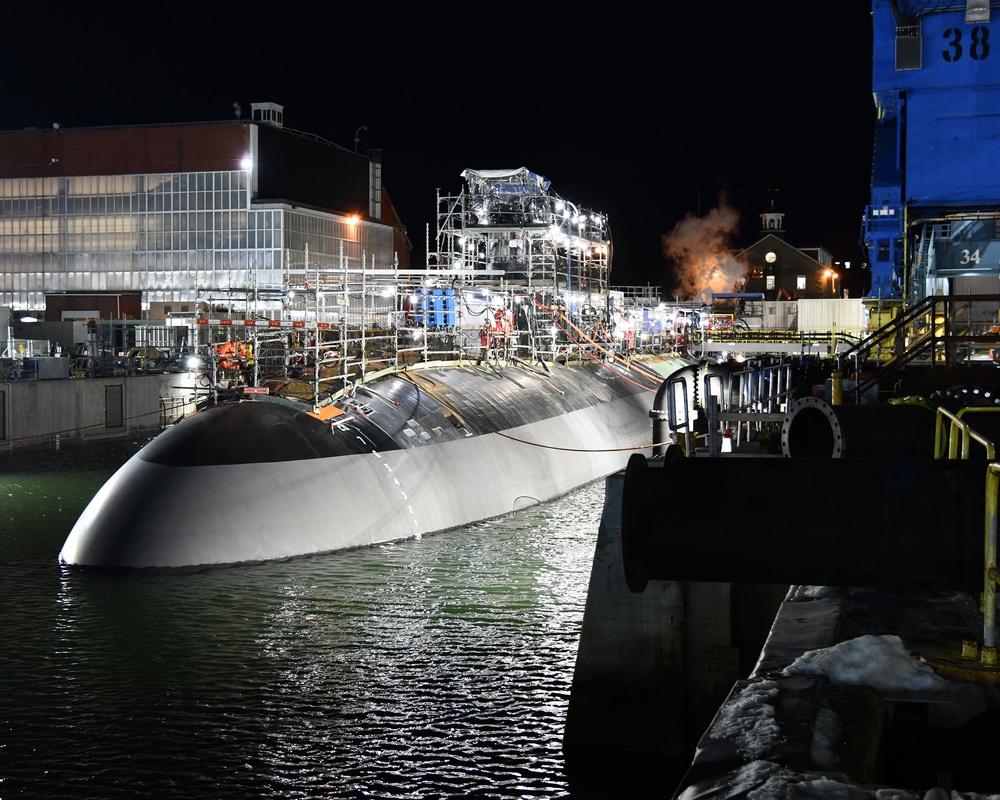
653	117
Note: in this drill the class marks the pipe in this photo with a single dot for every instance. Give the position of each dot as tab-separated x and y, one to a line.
837	387
922	527
815	429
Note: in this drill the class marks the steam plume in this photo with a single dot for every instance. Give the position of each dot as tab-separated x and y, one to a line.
700	250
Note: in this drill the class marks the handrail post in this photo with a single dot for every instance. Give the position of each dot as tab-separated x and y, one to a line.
989	654
836	388
988	657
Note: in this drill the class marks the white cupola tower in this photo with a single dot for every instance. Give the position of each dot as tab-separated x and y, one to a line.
773	222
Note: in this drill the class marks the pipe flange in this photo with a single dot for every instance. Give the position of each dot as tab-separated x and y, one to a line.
811	428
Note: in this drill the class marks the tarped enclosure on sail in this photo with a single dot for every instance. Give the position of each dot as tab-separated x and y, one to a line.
501	182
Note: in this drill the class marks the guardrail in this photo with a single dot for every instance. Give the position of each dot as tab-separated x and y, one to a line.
937	332
988	656
960	430
747	398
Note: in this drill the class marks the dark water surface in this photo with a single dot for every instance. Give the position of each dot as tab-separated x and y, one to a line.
438	667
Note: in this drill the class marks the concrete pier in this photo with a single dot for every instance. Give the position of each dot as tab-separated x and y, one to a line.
42	414
653	667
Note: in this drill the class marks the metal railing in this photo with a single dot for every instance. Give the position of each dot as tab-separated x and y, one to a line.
959	435
960	431
940	331
746	399
758	396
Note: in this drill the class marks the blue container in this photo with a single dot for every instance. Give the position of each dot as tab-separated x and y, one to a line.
437	303
449	308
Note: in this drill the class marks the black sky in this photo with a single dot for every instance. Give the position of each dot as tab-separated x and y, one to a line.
649	116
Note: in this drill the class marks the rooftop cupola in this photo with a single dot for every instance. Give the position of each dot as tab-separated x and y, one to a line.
773	221
270	113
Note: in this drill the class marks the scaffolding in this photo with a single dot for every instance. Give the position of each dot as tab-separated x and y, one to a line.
518	275
509	222
349	327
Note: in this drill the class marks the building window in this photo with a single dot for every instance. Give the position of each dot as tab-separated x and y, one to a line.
800	282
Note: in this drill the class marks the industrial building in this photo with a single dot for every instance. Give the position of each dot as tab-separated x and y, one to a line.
141	222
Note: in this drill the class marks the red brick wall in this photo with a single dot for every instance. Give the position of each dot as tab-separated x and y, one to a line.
123	151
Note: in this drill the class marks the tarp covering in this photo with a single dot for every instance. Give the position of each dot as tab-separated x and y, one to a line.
505	181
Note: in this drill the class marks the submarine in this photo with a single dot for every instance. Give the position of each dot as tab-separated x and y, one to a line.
260	477
379	405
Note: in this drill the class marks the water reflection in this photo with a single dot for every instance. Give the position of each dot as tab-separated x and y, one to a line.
435	667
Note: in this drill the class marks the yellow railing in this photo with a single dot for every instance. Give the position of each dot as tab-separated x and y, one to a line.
960	430
989	654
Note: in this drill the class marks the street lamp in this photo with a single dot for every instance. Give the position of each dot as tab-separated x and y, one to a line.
833	281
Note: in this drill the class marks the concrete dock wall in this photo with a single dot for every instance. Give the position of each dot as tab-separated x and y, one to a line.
653	667
42	414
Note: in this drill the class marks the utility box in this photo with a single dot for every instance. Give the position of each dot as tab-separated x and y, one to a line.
47	368
842	315
781	315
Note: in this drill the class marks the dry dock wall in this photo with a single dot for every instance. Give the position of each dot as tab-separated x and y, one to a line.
42	414
653	667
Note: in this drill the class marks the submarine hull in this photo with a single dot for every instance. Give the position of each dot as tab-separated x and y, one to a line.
259	480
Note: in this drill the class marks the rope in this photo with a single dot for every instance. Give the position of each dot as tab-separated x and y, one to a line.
82	427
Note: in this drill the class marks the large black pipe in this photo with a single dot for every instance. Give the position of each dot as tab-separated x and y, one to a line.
884	523
814	428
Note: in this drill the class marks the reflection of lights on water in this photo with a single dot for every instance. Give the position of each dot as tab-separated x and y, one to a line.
332	632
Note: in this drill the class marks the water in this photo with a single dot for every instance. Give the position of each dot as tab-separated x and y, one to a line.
438	667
